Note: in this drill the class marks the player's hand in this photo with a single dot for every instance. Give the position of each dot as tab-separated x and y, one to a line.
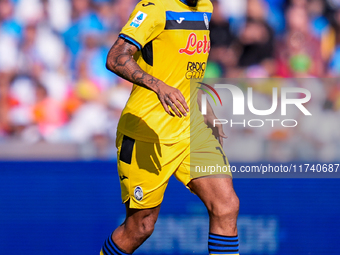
217	130
173	98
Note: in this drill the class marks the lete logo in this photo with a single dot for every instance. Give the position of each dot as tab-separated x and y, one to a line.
194	45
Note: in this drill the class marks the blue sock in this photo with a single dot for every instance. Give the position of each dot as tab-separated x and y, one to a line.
110	248
218	244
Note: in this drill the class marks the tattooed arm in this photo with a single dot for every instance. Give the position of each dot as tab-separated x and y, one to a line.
121	62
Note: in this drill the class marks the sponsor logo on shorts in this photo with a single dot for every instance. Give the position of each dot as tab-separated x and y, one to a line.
194	45
138	19
195	70
138	193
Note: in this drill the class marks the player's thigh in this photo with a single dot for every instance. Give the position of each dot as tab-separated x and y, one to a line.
205	158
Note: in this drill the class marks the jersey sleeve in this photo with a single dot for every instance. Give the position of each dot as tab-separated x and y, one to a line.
145	23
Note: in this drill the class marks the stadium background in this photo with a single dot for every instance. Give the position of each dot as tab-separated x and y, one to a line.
59	108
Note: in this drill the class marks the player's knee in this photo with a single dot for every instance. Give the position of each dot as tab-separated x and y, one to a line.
146	228
140	223
225	208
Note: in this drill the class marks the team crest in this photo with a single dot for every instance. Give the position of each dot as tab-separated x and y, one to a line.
138	19
206	20
138	193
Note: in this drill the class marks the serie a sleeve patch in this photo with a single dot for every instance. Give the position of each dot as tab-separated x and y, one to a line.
138	19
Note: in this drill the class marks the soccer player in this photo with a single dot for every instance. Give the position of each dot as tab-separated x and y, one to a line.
163	46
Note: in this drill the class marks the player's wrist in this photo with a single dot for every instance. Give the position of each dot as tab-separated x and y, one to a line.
158	87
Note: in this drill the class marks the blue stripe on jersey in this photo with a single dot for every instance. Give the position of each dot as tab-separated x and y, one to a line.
133	41
188	16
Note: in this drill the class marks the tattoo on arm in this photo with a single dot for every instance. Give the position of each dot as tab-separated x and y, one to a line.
121	62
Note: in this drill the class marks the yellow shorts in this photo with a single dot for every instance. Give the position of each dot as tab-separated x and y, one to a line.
145	168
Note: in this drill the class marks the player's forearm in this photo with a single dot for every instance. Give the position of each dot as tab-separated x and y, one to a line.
121	62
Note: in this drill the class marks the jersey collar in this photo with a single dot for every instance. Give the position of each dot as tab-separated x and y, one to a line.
187	3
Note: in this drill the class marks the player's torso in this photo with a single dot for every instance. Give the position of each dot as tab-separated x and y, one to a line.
177	55
180	52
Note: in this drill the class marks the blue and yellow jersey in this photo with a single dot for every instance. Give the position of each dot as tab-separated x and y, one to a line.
173	42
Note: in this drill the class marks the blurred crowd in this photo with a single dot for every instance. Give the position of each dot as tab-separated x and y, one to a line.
54	86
